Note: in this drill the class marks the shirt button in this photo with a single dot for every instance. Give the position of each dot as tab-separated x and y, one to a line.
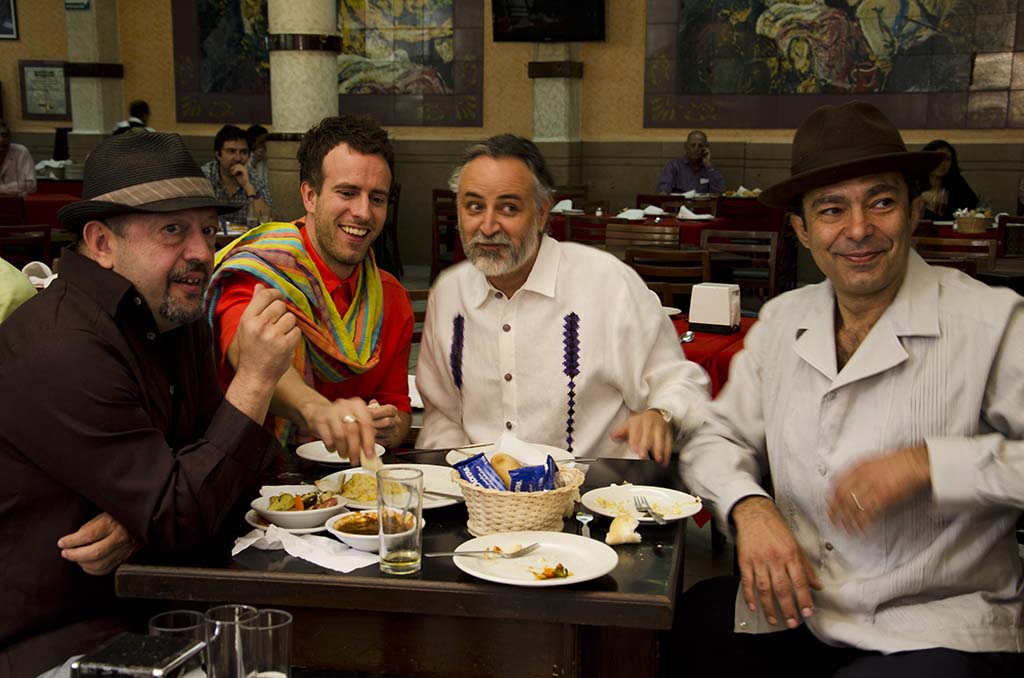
822	470
831	395
506	328
508	377
151	335
508	425
828	546
172	389
742	624
138	302
498	295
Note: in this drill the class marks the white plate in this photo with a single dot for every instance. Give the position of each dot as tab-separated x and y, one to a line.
671	310
253	519
437	478
585	558
672	504
315	451
490	450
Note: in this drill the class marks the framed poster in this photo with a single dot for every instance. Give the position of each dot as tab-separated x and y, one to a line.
45	94
8	20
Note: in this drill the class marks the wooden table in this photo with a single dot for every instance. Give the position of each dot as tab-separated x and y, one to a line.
443	622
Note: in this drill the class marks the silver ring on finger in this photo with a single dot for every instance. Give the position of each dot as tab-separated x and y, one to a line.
349	419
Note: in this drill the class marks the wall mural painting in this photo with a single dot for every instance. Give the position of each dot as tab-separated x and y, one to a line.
766	64
405	62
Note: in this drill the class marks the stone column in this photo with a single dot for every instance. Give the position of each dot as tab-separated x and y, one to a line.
304	47
556	72
95	74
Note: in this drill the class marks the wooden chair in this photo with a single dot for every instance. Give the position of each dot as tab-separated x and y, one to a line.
620	234
444	234
385	247
12	210
983	252
670	273
761	247
586	229
418	299
21	244
1012	230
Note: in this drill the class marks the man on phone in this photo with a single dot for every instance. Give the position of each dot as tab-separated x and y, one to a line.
693	172
229	175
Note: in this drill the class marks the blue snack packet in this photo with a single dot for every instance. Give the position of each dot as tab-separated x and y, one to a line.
478	470
534	478
528	478
551	477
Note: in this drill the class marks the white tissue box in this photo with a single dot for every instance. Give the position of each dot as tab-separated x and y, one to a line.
715	307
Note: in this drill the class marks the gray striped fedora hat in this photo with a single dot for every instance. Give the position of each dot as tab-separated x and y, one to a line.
146	172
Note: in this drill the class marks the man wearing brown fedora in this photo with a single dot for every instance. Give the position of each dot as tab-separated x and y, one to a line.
114	434
886	405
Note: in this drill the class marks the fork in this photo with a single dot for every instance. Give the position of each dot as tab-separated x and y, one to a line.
643	506
485	553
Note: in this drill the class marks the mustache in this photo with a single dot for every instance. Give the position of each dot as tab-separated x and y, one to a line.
870	244
190	268
499	238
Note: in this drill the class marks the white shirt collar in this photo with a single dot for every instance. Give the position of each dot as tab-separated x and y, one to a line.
541	280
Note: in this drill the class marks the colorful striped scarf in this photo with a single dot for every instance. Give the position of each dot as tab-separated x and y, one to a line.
333	347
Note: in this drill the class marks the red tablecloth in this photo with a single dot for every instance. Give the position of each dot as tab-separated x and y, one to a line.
42	208
706	350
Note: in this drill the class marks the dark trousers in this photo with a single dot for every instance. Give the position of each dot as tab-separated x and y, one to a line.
702	643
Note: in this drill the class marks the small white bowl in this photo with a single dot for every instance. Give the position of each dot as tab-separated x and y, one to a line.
361	542
296	519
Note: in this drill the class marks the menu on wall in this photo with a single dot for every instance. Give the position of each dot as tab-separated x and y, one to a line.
44	91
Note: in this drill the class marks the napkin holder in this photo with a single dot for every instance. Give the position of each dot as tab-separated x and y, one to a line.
715	307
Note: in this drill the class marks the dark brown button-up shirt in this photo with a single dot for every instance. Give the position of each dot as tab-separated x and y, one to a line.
99	411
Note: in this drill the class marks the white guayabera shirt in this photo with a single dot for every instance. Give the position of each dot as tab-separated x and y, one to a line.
563	362
944	366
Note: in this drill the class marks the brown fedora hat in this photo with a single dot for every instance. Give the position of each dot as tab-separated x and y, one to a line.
836	143
145	172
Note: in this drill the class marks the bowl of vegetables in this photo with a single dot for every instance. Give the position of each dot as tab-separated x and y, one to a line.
299	511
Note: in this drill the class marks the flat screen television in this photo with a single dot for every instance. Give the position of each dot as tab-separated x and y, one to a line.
548	20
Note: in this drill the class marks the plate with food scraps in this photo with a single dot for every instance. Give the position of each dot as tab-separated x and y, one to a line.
360	486
562	559
260	524
315	451
616	500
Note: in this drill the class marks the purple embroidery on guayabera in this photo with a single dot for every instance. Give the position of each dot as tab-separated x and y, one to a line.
458	337
571	368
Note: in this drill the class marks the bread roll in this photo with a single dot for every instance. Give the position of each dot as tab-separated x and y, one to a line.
623	531
504	463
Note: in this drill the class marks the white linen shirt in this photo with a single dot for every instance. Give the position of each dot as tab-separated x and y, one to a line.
943	366
581	345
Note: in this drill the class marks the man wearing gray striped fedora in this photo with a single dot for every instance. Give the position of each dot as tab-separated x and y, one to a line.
114	434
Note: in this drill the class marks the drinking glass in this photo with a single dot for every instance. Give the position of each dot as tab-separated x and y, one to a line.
181	624
224	647
399	511
267	639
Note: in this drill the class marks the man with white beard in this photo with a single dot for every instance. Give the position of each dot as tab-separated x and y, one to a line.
557	343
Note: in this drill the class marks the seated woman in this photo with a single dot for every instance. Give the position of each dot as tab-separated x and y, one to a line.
948	190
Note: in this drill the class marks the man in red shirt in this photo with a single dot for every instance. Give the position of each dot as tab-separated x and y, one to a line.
348	383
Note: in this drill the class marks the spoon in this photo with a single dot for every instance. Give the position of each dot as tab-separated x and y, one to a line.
583	517
687	337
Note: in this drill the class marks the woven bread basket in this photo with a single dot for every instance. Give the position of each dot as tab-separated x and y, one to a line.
973	224
492	511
